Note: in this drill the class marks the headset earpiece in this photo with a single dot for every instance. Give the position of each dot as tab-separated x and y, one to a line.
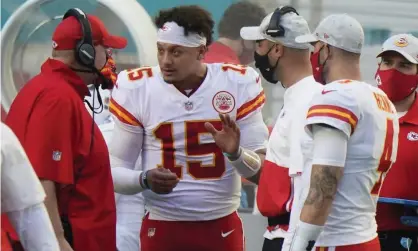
274	28
85	53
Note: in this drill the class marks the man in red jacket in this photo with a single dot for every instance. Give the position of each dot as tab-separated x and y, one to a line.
62	141
398	78
230	47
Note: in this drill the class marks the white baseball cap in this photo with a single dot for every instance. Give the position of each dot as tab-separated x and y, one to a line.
339	30
293	24
404	44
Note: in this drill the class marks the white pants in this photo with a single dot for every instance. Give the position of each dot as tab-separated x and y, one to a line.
130	211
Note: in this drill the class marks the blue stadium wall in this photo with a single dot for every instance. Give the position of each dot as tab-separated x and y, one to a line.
216	7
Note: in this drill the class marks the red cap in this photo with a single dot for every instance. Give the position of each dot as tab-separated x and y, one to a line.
68	32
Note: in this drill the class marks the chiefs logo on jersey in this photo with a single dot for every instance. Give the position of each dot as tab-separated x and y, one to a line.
223	102
412	136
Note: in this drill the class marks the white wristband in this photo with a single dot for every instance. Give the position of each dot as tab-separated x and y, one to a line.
305	236
126	181
247	164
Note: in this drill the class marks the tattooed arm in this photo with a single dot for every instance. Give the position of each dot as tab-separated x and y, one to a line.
324	183
330	149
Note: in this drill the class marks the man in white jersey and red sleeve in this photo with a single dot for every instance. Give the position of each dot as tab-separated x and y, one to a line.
280	58
191	190
22	197
355	129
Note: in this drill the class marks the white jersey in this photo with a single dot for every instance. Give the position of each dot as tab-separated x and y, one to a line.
20	187
284	149
129	208
174	135
368	118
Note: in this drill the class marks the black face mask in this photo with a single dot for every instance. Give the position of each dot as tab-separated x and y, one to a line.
267	71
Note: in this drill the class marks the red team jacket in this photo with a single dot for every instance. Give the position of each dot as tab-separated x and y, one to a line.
220	53
400	181
50	119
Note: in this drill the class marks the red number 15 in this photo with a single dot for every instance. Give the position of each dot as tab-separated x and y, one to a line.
193	148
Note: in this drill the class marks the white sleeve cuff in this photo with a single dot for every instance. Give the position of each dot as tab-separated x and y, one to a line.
305	236
126	181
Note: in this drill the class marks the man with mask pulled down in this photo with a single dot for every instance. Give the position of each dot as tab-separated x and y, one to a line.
64	145
354	128
280	58
397	76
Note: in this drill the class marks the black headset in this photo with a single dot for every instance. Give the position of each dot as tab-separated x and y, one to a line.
274	28
85	53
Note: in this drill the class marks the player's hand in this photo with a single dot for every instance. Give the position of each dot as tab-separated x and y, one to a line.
228	138
161	180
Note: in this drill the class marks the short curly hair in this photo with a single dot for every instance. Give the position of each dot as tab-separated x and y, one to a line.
192	18
239	15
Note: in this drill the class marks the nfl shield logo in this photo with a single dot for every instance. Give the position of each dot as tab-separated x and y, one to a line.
188	105
56	155
151	232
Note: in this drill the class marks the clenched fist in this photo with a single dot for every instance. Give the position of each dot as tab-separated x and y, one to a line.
161	180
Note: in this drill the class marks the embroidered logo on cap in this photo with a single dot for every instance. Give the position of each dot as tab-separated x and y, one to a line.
165	28
401	42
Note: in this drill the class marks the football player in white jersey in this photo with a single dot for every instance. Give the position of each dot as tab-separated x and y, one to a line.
280	58
22	196
129	209
191	190
355	138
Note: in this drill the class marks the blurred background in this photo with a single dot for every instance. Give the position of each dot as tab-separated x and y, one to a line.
30	43
27	28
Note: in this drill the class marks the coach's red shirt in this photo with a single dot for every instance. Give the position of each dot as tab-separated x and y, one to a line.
50	119
401	180
220	53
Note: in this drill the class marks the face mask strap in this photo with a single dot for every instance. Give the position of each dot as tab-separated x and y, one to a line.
268	52
322	66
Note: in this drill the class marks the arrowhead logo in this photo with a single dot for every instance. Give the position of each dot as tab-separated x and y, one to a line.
412	136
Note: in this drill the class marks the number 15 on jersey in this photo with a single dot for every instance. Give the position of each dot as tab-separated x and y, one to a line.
193	149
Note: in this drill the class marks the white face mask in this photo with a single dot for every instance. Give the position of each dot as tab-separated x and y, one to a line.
104	116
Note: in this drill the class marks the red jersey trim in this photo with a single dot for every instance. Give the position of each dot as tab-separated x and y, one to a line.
335	112
251	106
122	114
